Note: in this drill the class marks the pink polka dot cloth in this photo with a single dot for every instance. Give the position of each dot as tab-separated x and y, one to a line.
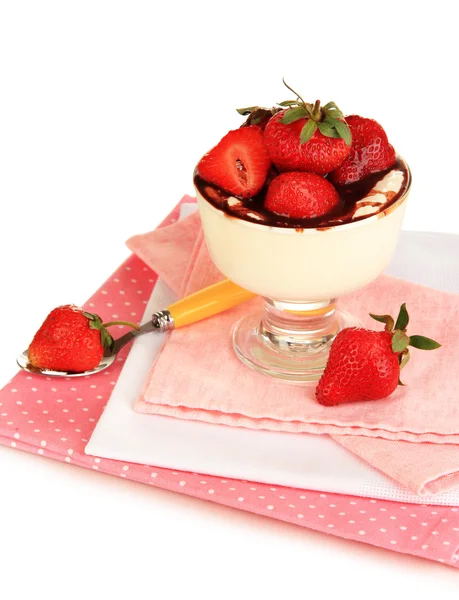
54	418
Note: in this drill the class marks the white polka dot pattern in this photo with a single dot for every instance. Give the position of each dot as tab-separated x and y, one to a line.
55	419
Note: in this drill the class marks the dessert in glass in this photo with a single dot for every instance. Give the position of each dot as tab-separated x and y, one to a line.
299	264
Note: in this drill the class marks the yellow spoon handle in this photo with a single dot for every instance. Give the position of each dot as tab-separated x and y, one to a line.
208	302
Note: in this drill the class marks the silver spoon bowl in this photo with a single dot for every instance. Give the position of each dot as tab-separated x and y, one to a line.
23	362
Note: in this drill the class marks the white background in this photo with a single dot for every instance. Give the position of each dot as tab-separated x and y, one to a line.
105	107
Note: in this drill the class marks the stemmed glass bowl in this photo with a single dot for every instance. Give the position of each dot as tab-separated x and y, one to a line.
300	273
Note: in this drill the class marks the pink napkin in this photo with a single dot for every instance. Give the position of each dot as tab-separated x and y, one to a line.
54	418
205	388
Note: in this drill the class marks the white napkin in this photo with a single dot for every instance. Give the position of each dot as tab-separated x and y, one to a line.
262	456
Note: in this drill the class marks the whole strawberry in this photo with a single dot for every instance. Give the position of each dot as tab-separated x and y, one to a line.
301	195
239	163
71	339
365	364
308	137
370	152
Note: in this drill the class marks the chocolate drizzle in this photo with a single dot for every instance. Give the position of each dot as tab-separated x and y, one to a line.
352	198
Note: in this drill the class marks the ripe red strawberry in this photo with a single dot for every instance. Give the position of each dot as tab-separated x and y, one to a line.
301	195
297	142
303	136
239	163
370	152
365	364
70	339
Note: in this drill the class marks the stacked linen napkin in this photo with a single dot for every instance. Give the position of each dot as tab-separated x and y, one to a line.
411	436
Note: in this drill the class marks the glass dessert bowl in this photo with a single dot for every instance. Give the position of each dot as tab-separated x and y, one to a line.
302	267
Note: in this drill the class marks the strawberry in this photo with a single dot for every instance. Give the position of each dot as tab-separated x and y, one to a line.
71	339
301	195
239	163
370	152
365	364
291	151
307	137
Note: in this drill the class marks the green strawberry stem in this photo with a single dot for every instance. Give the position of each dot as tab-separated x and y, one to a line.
95	322
316	112
128	323
292	90
328	119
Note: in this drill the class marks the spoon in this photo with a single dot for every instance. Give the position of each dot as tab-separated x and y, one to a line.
196	307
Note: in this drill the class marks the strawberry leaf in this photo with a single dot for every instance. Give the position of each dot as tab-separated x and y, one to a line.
423	343
386	319
288	103
308	131
400	341
331	120
405	357
260	116
328	130
403	319
344	131
246	111
106	339
333	113
95	322
293	114
330	105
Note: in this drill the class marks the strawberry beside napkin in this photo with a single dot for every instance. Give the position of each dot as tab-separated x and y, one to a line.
197	375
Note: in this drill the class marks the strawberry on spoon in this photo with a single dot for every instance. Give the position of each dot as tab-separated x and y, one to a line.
71	339
365	364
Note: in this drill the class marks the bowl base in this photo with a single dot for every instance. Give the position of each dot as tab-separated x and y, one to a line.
283	356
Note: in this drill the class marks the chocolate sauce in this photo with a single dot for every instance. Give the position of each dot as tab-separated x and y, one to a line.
253	209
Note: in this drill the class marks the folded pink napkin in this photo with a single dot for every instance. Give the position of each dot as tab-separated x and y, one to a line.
212	385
